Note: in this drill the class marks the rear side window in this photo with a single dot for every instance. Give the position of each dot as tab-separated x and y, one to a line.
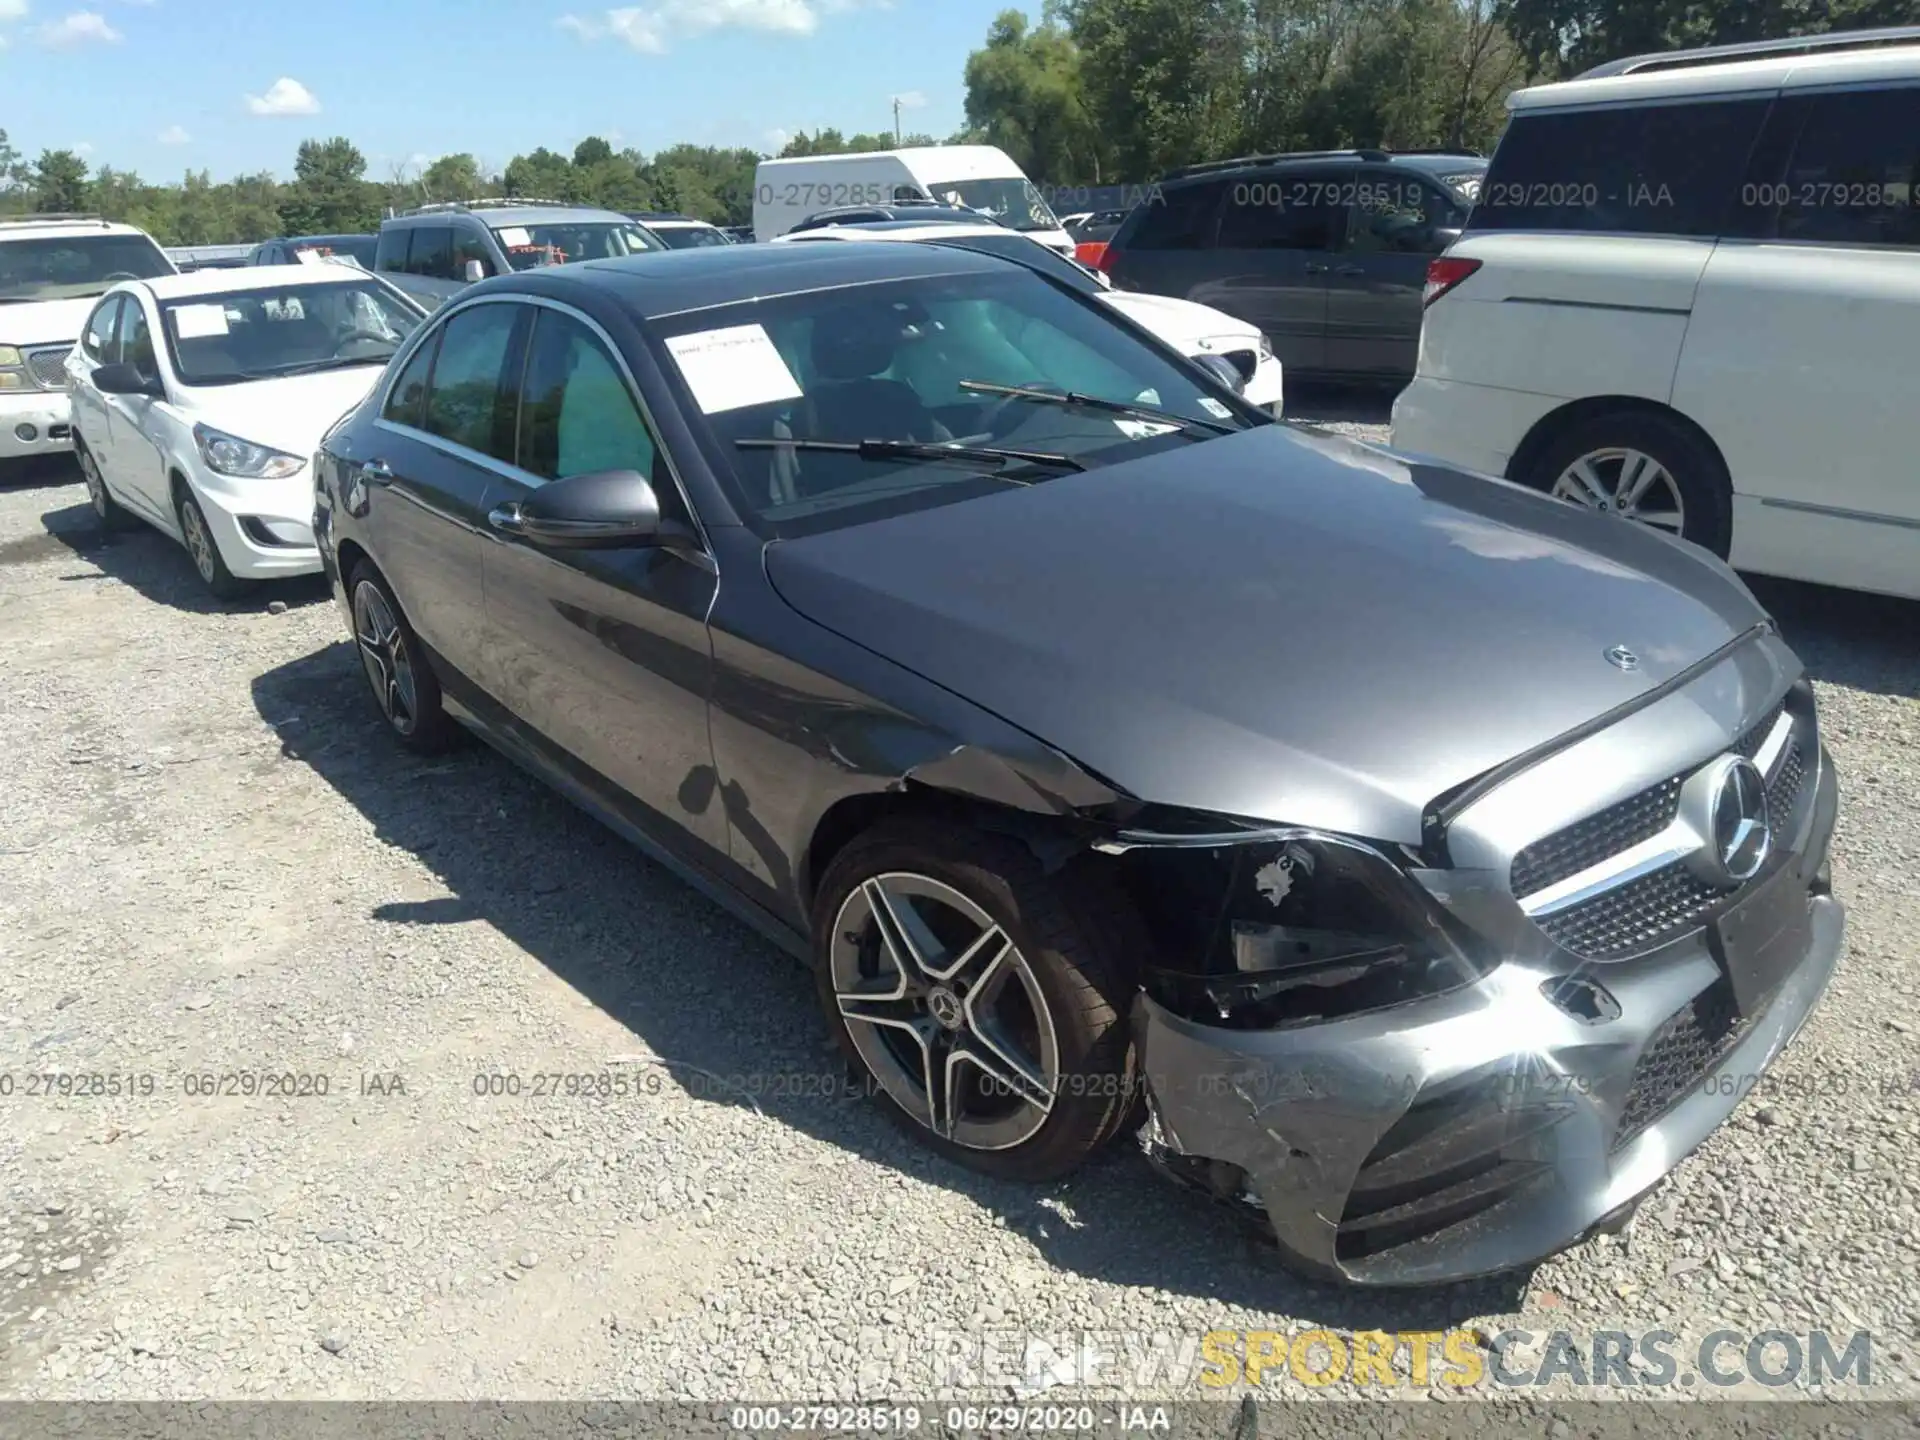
1180	217
1853	174
1285	211
471	400
1635	170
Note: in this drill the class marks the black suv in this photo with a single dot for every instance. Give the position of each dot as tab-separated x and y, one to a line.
1325	251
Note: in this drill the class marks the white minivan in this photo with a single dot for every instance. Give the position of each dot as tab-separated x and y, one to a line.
1689	294
978	177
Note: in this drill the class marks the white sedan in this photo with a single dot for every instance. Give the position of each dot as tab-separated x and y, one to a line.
1190	328
198	401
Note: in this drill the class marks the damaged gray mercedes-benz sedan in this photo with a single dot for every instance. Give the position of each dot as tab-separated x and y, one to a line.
1420	866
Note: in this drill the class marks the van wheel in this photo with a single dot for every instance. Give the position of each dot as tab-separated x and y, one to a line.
1641	467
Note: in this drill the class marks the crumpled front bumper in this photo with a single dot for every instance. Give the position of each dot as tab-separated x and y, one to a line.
1482	1130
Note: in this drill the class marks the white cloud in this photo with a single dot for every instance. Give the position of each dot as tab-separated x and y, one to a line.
83	27
13	10
173	135
909	100
286	96
777	138
650	28
85	147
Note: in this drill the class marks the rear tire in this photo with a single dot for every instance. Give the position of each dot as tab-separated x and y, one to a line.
1641	466
1002	962
399	675
108	513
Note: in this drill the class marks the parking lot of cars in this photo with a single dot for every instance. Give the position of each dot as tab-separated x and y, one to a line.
337	1057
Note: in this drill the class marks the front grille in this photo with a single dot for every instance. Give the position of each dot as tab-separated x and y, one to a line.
49	367
1679	1054
1620	826
1783	786
1456	1154
1634	916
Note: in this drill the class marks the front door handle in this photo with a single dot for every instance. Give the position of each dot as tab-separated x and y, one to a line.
1351	270
1315	268
506	519
376	472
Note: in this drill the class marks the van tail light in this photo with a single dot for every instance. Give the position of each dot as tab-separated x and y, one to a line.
1443	273
1097	253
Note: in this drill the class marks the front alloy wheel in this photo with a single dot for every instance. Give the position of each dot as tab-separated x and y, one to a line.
984	999
945	1011
389	664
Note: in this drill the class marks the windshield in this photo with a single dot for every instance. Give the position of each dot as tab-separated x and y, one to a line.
73	267
896	361
687	237
1012	201
293	330
529	247
358	248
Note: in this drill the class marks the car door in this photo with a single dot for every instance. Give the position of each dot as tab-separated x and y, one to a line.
605	653
134	466
99	345
1396	222
1801	354
433	468
1272	256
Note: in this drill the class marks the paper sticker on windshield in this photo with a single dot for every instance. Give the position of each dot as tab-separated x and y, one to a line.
515	235
311	257
1214	408
1143	429
197	322
733	368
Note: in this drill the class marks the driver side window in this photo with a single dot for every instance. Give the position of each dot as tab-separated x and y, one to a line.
136	340
100	343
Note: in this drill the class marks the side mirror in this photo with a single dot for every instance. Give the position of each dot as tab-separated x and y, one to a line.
1223	370
604	510
123	379
473	272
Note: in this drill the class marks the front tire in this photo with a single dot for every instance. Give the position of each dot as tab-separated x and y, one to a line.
197	536
398	673
1640	466
985	1001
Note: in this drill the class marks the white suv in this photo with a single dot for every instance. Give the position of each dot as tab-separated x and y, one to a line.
52	269
1689	294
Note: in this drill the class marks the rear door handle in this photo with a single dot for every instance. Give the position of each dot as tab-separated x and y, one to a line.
1351	270
1315	268
376	472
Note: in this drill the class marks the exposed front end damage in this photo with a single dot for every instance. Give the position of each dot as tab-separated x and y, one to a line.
1408	1077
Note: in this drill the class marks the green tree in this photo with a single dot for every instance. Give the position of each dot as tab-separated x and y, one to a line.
1559	37
1164	81
590	152
1024	94
451	177
59	181
541	175
330	193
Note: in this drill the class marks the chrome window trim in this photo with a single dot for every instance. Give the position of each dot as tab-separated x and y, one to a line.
505	469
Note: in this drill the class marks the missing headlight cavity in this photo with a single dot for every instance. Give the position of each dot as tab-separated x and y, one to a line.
1287	932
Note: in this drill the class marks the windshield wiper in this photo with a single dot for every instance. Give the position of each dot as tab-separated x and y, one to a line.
1185	424
312	367
921	450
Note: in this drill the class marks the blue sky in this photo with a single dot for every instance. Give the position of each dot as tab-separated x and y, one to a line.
161	86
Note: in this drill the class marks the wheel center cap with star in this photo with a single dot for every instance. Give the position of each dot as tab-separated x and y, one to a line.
945	1007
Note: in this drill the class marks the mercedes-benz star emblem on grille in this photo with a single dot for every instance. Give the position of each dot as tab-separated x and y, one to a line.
1725	804
1621	658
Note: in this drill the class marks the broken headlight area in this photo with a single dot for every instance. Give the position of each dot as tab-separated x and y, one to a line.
1293	930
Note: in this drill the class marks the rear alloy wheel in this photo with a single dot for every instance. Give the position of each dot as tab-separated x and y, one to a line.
403	683
979	1004
1643	467
107	511
197	536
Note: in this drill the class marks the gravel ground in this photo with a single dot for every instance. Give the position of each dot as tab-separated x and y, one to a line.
213	863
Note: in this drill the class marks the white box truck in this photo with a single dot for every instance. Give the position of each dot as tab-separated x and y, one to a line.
980	177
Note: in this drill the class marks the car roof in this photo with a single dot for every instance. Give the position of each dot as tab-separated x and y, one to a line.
38	227
655	285
1711	76
902	229
253	277
321	239
498	215
1432	162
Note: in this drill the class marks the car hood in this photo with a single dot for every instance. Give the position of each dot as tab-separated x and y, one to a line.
44	322
289	414
1274	625
1179	322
